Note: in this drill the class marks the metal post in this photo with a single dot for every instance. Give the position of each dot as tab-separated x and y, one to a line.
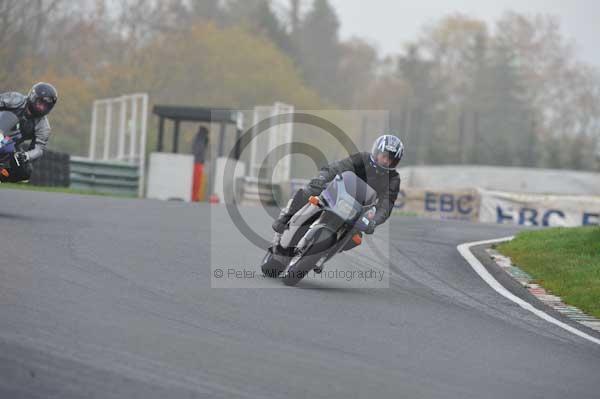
122	128
238	136
176	137
254	146
284	137
133	128
142	170
274	134
107	130
222	133
238	133
92	153
161	134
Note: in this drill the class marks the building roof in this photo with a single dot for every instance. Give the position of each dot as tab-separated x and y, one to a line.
196	114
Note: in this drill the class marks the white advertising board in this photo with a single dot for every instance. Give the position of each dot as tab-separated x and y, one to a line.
538	209
170	176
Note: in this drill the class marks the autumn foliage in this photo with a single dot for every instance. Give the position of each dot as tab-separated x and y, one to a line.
463	91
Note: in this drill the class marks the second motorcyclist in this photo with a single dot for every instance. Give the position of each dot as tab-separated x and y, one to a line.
32	111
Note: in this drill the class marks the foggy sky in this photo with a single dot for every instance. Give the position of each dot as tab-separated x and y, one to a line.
391	23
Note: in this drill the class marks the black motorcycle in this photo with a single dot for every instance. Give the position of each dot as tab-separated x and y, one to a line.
326	225
9	135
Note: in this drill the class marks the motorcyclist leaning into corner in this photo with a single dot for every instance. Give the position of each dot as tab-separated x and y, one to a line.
377	168
32	111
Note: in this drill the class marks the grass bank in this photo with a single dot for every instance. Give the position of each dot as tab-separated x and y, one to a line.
565	261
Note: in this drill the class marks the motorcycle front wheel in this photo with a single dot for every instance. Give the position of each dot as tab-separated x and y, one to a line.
303	263
271	267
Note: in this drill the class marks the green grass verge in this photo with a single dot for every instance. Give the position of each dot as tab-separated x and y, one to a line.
29	187
565	261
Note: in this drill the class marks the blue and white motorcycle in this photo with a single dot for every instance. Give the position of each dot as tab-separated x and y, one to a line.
9	135
327	224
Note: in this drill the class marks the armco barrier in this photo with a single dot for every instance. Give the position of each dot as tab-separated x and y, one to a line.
255	191
104	177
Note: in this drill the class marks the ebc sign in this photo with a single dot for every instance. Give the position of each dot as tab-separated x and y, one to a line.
539	210
460	205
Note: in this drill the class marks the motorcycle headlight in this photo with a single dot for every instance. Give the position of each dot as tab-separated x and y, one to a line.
346	210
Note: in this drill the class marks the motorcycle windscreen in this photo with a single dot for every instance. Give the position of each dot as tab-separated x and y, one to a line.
358	189
347	194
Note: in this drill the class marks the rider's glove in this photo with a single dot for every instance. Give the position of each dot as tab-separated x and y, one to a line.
370	227
22	157
317	185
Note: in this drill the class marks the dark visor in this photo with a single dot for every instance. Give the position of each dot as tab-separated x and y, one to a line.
42	105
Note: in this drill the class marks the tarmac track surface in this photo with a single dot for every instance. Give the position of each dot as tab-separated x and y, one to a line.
112	298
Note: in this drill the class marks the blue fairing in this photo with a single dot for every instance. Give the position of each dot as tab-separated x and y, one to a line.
8	148
7	143
9	133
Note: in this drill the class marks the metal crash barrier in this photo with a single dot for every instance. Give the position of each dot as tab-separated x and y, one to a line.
108	177
255	191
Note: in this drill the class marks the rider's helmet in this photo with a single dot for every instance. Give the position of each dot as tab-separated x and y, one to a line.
41	99
386	153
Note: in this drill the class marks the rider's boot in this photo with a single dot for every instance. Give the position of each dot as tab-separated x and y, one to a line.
294	205
281	223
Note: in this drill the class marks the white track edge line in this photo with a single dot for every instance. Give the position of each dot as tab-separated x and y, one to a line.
465	251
